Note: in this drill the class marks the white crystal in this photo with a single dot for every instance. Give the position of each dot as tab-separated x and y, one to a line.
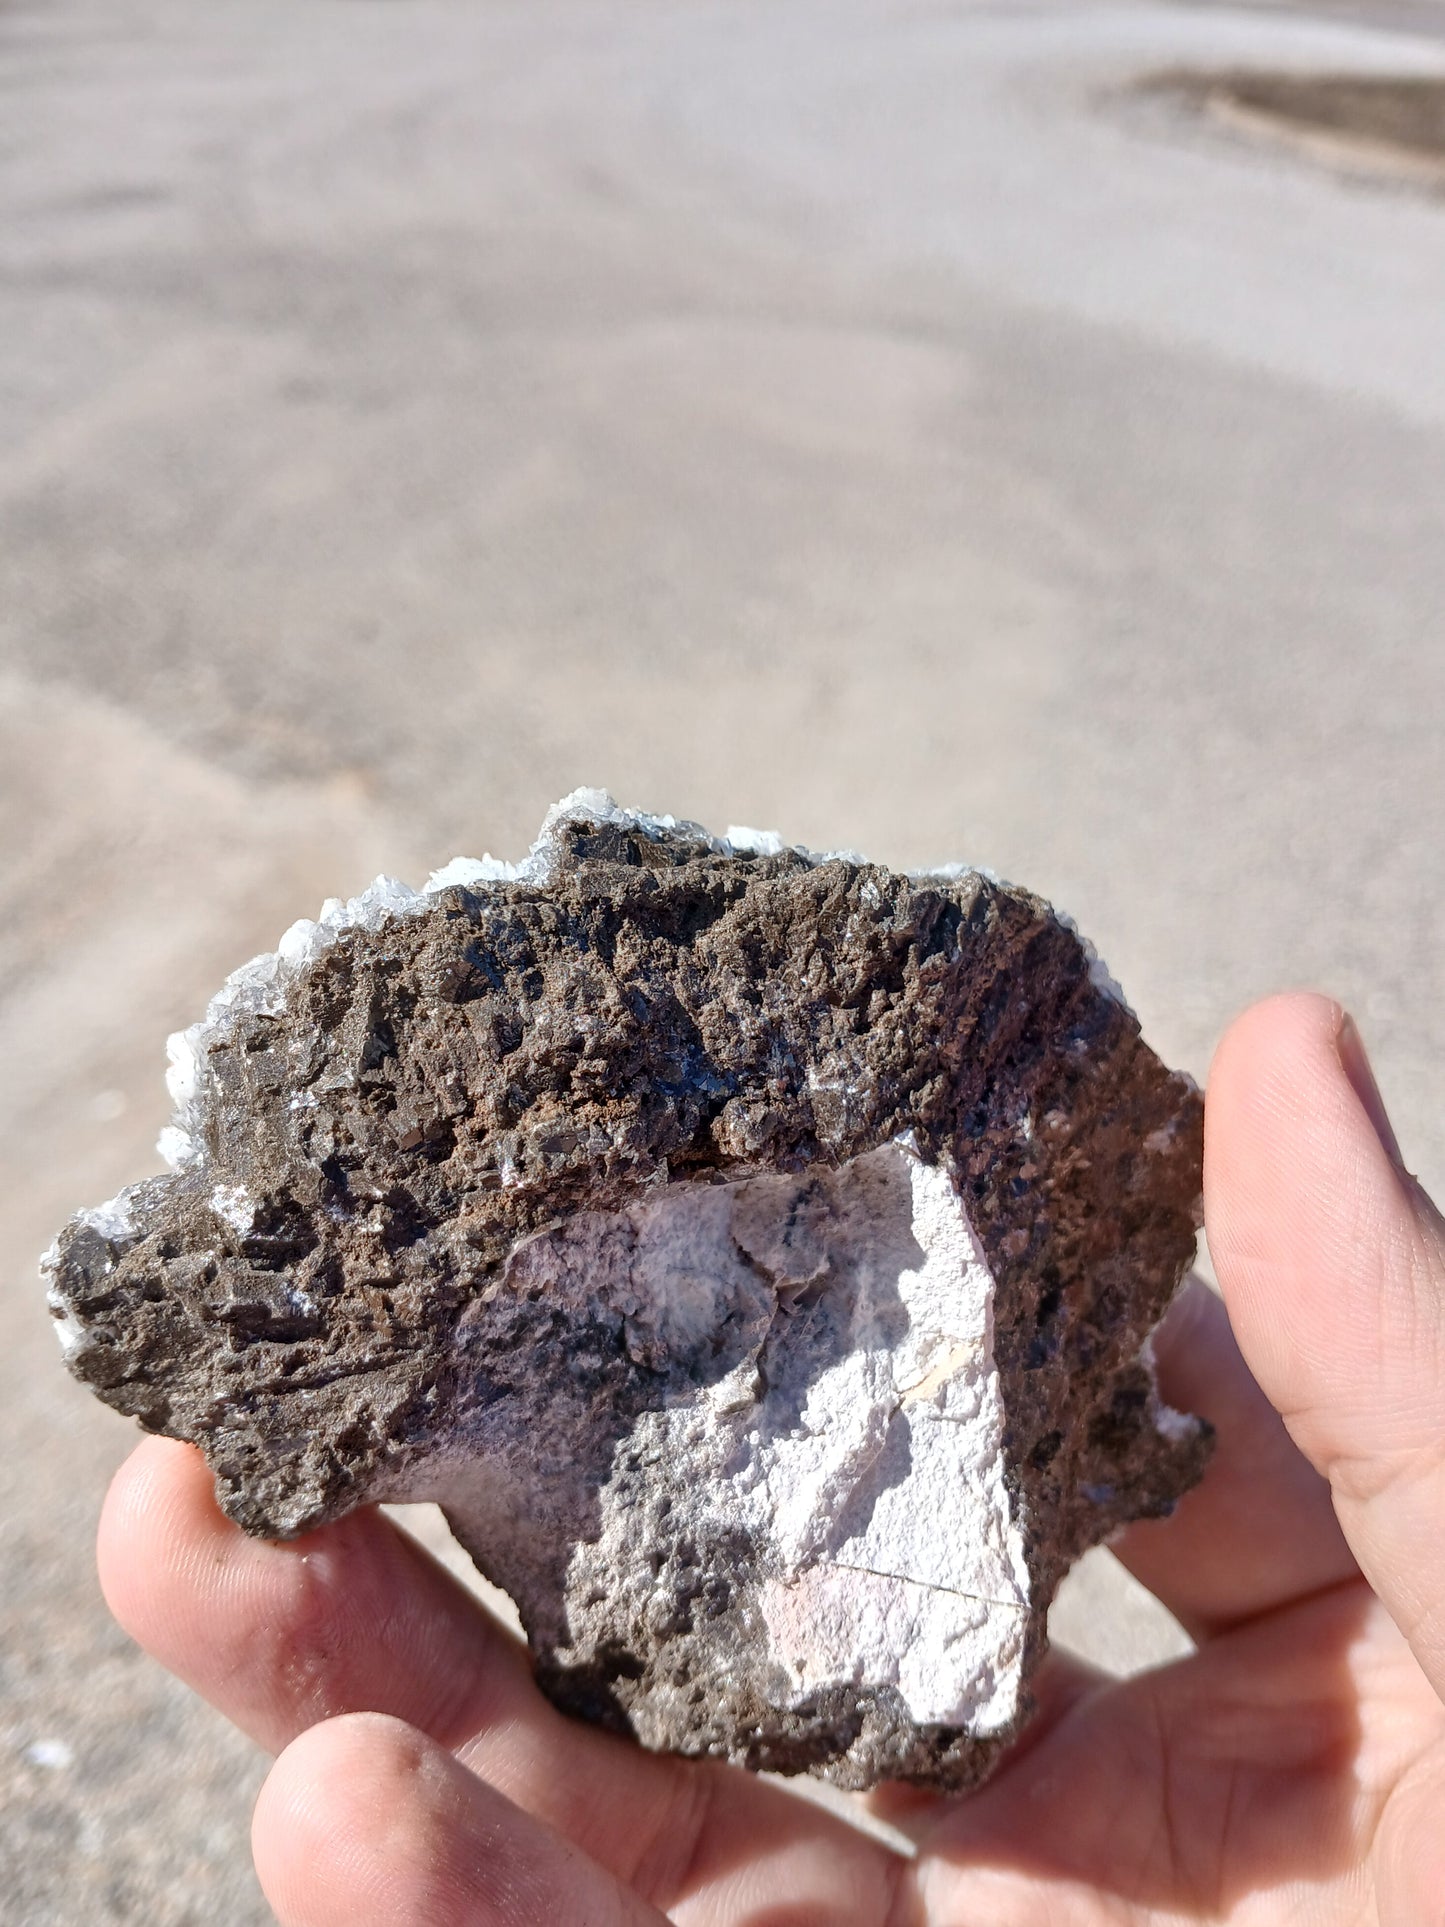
234	1206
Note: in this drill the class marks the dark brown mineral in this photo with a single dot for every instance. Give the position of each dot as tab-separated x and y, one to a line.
753	1252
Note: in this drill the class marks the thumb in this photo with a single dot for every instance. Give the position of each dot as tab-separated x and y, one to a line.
1332	1263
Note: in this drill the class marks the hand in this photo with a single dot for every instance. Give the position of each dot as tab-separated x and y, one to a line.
1293	1769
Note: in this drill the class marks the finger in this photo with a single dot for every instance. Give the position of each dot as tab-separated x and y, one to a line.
1409	1853
365	1822
1259	1531
1332	1262
357	1618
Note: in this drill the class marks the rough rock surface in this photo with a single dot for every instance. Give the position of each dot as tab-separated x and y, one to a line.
754	1253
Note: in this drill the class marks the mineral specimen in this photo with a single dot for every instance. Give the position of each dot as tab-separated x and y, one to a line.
754	1253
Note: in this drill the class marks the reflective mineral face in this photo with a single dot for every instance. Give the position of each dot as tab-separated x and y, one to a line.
753	1252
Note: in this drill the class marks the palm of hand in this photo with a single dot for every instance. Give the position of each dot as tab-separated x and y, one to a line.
1293	1768
1275	1776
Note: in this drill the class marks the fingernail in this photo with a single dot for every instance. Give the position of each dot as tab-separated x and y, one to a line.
1356	1066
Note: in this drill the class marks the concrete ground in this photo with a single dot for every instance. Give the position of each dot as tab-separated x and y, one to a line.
871	420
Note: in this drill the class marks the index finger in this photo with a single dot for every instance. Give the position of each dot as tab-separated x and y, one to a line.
358	1618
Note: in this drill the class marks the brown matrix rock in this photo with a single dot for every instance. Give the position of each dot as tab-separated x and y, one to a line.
754	1253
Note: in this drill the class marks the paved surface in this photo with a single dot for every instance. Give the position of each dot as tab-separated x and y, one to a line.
873	420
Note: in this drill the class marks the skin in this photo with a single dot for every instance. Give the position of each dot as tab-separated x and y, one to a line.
1291	1770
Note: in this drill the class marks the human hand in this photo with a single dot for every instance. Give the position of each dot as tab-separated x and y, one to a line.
1293	1769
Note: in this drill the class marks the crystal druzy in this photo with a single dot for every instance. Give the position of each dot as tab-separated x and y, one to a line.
753	1252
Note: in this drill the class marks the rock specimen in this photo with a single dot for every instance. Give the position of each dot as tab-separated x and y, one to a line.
754	1253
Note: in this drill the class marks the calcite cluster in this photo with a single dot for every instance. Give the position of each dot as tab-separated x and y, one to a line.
755	1254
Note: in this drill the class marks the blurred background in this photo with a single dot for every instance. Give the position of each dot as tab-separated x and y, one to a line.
1000	431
